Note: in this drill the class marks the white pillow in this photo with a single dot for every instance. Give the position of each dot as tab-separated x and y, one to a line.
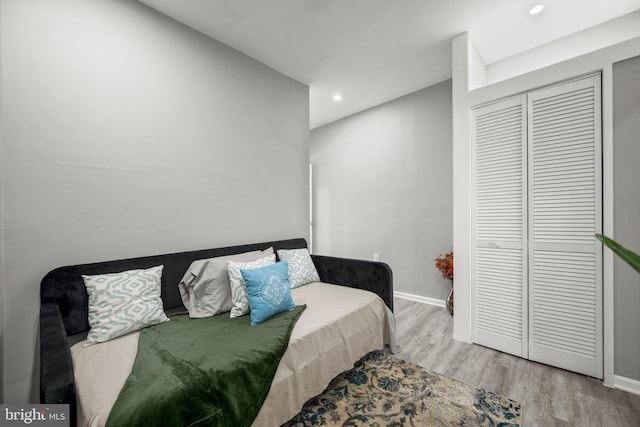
239	295
124	302
301	267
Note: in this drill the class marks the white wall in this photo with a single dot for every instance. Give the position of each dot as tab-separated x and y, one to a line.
464	66
382	184
601	36
125	134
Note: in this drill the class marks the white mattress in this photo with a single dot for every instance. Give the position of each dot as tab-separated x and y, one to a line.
339	326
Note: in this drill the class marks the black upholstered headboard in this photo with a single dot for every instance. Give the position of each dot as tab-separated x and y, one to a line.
65	286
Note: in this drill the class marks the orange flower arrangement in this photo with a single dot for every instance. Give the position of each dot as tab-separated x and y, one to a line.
445	265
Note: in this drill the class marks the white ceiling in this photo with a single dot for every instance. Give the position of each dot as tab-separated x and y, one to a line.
372	51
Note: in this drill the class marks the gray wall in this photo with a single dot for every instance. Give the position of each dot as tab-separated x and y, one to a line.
382	184
2	266
126	134
626	153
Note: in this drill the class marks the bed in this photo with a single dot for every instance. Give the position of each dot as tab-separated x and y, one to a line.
344	315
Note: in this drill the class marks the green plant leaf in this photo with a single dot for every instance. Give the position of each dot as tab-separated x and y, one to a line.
632	258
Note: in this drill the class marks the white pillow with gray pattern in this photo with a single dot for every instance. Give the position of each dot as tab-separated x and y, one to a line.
239	295
120	303
301	267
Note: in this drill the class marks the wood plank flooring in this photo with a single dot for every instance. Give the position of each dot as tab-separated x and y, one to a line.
549	396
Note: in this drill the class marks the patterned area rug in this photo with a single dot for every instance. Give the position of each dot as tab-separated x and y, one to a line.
382	390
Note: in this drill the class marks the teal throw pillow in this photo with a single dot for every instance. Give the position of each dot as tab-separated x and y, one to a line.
268	290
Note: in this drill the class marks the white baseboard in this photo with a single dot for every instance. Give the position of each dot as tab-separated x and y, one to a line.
419	298
627	384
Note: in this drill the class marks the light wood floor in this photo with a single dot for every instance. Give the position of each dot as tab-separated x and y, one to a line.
549	396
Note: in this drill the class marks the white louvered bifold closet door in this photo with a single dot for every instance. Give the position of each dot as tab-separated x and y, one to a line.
565	206
499	249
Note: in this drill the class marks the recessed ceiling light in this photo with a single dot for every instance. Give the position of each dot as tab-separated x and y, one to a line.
536	9
337	97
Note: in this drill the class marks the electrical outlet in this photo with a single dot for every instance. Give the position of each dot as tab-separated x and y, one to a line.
376	257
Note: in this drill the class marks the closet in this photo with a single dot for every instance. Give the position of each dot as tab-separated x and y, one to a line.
536	206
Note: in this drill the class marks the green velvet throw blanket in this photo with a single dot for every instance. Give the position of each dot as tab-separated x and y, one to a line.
214	371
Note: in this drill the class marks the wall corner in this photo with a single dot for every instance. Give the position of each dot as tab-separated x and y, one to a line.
460	69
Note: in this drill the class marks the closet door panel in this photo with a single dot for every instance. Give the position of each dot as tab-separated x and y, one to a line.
499	255
565	318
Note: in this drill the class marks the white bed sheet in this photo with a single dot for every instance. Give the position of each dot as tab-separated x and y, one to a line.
339	326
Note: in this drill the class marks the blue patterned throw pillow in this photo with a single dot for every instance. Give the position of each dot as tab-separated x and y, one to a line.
301	267
124	302
268	290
